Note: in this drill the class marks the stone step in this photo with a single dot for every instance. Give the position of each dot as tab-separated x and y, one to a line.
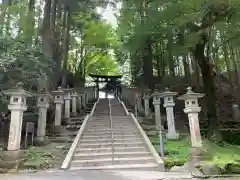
109	123
103	136
94	141
112	161
91	133
142	167
115	144
110	149
126	129
87	156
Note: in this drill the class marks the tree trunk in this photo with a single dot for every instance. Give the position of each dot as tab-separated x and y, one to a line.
210	92
66	46
147	63
30	19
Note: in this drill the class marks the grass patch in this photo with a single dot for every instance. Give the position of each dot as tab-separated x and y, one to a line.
226	157
44	157
177	151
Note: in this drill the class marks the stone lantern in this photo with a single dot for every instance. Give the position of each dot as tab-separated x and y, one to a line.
146	97
43	105
67	101
17	106
74	96
169	103
157	104
58	100
192	109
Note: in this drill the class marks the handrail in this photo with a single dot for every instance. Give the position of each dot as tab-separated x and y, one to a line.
111	127
148	142
67	160
72	149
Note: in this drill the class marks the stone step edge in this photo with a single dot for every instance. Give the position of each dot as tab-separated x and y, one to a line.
106	144
108	148
110	153
115	159
110	139
147	165
109	135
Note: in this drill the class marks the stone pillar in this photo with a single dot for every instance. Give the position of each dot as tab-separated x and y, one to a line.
67	101
86	95
17	106
58	100
157	104
83	100
192	109
146	97
80	102
43	104
236	112
74	96
138	101
169	104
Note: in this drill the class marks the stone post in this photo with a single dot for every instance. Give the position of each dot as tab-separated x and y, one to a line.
58	100
146	97
17	106
192	109
95	93
83	100
67	101
86	95
169	104
74	96
157	104
80	101
42	104
236	112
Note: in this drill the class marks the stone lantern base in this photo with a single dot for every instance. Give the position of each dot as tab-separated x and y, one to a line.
58	130
42	138
172	136
74	114
12	159
198	154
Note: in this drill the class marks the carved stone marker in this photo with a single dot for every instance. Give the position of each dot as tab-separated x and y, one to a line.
29	130
146	97
157	103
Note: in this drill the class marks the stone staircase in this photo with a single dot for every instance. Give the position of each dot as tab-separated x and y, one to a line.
111	140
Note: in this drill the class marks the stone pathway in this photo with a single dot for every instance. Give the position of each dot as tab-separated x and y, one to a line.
103	175
96	175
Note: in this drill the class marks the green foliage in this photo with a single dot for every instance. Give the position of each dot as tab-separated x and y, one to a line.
28	63
93	47
177	152
223	156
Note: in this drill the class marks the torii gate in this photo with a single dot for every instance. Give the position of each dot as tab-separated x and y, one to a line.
113	83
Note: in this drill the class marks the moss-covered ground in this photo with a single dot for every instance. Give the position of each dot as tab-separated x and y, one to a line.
226	156
47	156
